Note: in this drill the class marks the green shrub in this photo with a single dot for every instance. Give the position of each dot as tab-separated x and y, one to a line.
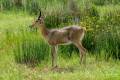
107	33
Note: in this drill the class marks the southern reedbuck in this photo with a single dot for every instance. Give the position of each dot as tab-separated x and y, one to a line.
67	35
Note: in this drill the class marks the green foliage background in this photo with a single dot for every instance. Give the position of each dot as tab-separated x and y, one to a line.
100	17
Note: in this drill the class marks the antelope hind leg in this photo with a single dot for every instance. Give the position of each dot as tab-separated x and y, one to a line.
82	52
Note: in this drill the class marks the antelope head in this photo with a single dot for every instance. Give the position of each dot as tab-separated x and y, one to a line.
39	22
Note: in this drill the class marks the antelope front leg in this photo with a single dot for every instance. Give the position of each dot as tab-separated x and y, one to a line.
54	56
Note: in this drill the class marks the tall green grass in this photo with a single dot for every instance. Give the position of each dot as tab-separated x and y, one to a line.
20	44
29	47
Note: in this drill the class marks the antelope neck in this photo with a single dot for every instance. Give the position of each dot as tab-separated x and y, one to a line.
44	30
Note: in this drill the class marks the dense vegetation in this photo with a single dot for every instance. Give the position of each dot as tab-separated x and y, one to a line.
24	45
100	17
